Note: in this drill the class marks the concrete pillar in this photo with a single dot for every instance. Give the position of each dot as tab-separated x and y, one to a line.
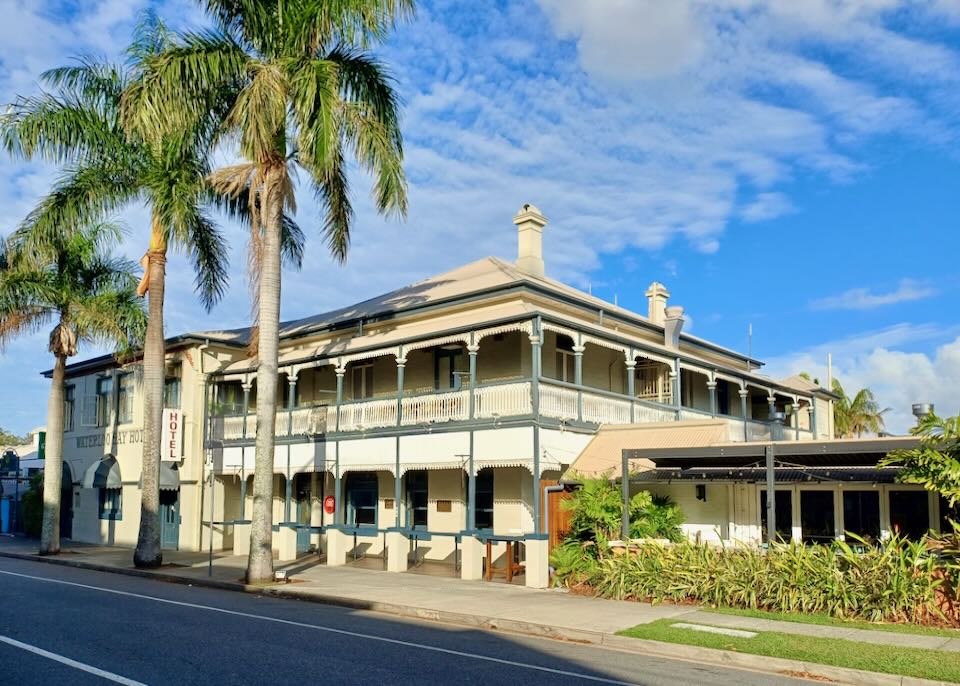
286	542
471	559
398	547
537	564
241	539
338	543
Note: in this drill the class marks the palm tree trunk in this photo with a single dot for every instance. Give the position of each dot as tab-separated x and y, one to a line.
260	562
148	553
53	463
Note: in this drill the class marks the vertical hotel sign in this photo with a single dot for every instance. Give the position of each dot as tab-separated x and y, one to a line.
171	447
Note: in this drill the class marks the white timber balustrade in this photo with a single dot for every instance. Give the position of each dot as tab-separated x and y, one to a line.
600	409
435	407
367	414
558	402
503	400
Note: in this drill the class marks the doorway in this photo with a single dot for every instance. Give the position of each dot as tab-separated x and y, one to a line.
302	495
169	519
66	503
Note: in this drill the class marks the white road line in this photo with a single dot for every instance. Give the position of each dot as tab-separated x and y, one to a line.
116	678
342	632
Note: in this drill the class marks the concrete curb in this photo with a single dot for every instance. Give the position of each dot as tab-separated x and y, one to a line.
674	651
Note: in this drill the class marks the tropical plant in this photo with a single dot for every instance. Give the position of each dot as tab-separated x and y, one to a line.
894	580
856	416
935	463
31	507
289	83
8	438
74	283
78	122
597	513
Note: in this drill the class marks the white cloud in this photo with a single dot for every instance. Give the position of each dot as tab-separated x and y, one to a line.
766	206
864	299
898	378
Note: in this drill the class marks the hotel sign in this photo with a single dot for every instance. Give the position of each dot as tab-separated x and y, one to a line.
171	444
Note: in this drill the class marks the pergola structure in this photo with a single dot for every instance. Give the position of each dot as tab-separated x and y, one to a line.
773	462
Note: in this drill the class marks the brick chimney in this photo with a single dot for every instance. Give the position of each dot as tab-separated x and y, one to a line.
530	225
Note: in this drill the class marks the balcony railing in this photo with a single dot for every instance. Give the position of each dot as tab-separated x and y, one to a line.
305	421
558	400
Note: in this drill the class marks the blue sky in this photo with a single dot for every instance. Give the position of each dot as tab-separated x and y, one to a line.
794	165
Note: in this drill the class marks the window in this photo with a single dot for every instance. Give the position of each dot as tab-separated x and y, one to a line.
484	500
104	396
861	513
362	492
948	514
69	401
417	499
111	503
446	376
230	398
171	388
566	360
817	523
566	366
125	399
909	513
783	504
362	378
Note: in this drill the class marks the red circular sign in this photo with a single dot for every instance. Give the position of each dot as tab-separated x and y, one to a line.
328	504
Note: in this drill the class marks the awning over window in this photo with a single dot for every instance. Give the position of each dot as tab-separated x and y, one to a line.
104	473
169	477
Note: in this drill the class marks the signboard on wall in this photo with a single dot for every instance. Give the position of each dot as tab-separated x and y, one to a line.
171	443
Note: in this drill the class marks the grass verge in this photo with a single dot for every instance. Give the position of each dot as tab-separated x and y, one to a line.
827	620
915	662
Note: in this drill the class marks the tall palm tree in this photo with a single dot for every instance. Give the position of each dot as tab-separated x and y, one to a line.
858	415
74	283
295	91
78	122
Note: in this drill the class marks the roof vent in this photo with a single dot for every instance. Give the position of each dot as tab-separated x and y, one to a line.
530	225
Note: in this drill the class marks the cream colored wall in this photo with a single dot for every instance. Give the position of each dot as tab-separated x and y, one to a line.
699	394
604	368
317	385
707	521
85	445
504	359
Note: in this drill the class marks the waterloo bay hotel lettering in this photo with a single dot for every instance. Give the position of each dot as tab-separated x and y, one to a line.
126	437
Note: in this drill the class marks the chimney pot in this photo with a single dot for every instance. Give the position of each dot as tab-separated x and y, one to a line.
530	223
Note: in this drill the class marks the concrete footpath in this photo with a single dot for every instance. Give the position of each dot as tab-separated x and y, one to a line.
552	613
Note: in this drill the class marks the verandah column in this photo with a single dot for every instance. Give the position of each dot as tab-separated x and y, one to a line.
341	371
675	386
291	401
578	376
712	392
631	364
536	361
472	349
744	393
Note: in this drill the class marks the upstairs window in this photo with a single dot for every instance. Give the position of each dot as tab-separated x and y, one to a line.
125	399
69	403
103	400
362	381
171	388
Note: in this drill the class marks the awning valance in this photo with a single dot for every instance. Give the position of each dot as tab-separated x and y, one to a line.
169	477
105	473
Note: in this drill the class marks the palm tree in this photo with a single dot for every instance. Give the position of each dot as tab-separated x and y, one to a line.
79	123
295	92
858	415
89	296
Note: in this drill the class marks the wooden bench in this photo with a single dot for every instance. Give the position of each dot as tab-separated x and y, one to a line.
509	569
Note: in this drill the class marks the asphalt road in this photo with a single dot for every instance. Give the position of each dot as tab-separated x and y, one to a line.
60	625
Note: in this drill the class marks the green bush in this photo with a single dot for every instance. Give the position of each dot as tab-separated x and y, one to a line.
896	580
31	506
